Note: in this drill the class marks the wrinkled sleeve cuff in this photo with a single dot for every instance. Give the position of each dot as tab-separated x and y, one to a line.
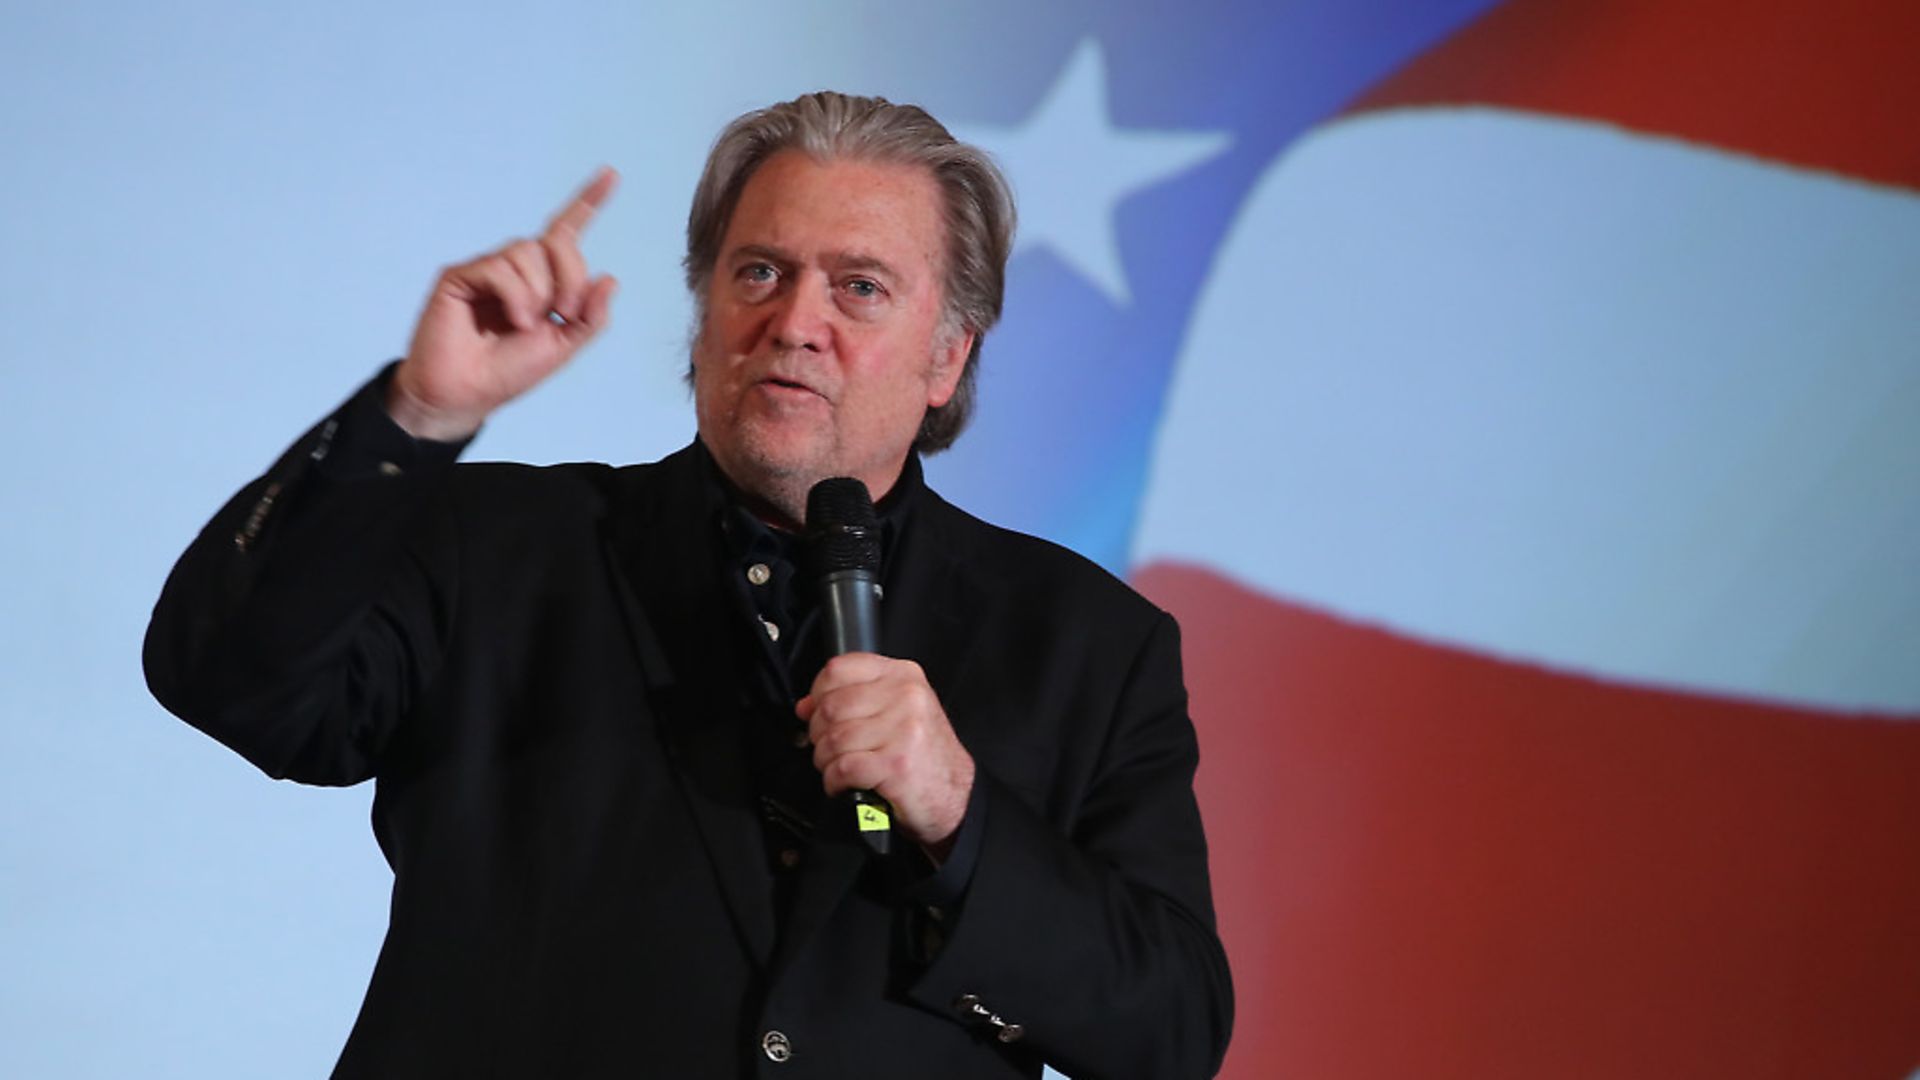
947	885
362	440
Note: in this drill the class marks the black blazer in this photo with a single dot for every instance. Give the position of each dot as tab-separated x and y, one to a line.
539	669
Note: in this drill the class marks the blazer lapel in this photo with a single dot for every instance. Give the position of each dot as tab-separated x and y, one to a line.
930	598
660	540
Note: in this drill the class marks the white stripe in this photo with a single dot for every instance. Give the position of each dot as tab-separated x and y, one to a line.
1555	391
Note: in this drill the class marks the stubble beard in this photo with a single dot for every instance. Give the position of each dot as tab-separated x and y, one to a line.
770	483
771	472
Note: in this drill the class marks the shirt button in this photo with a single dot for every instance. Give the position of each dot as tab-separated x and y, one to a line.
388	468
759	574
772	628
776	1046
789	858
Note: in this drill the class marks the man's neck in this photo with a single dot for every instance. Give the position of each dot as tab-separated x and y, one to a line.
785	509
791	520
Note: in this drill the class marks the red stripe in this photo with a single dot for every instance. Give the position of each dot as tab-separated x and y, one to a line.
1434	864
1828	85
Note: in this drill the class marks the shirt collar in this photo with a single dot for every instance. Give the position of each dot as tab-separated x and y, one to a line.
749	539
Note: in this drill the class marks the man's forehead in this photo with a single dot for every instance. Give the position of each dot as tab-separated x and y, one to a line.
843	212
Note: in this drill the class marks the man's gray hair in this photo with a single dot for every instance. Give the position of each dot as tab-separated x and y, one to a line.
828	125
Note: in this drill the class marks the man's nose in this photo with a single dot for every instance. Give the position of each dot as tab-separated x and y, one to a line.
803	319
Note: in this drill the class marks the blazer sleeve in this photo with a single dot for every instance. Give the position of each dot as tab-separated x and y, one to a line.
310	611
1098	942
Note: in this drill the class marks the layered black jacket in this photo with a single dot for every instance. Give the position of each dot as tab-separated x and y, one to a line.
537	667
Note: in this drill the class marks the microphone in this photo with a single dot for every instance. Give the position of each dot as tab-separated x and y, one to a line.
843	555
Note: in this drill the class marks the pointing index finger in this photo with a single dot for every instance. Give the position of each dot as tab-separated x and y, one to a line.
577	214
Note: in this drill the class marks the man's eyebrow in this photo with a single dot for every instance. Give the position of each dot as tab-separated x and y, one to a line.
841	261
760	251
862	263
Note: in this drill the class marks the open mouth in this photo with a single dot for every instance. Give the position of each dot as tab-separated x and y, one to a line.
778	383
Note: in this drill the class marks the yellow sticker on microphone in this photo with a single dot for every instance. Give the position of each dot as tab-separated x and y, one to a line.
872	818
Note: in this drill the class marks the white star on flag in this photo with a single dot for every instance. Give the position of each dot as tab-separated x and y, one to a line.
1071	168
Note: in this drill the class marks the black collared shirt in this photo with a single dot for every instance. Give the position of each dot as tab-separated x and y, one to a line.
779	610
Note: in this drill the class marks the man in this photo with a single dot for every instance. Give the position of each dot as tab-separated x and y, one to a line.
610	755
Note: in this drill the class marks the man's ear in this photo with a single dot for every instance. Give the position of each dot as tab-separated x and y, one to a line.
949	360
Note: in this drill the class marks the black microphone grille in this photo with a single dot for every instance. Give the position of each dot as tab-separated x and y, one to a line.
843	531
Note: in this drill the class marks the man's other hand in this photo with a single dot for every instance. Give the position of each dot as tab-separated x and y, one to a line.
497	325
877	726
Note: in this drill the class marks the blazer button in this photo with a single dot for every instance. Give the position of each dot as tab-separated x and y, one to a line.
971	1007
776	1046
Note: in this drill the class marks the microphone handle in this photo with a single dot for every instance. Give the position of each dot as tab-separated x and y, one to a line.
851	606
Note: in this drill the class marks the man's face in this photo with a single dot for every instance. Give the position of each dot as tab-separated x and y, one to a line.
822	348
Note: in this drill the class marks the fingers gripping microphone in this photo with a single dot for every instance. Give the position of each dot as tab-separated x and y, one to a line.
843	552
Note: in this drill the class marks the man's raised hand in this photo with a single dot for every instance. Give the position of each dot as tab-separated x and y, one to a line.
497	325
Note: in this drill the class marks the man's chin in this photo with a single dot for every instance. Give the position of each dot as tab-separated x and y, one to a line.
774	451
778	472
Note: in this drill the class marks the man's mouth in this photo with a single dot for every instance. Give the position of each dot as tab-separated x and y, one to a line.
778	382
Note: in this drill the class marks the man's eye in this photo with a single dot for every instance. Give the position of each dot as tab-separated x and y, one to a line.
864	288
757	274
